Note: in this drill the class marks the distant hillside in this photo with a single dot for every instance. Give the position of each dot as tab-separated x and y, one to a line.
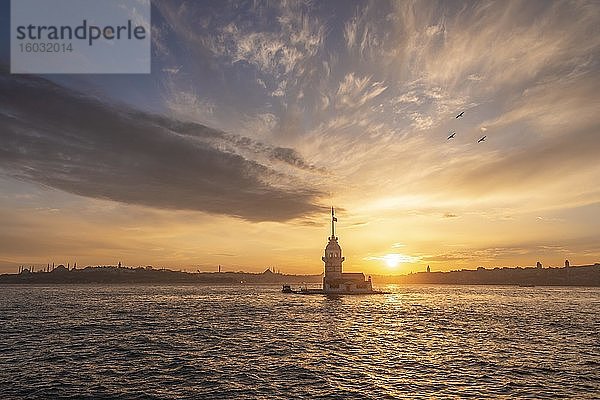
113	274
585	275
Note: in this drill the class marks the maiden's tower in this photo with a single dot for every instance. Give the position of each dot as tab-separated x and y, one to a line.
335	280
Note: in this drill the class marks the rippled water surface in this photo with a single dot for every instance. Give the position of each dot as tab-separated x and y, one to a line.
254	342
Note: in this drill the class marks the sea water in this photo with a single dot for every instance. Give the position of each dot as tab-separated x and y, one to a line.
237	342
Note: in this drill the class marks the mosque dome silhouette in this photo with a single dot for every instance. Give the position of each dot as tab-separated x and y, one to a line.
60	268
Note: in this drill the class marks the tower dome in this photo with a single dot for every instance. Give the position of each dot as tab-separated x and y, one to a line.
333	249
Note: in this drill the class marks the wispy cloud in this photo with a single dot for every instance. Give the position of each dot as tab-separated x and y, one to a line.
356	91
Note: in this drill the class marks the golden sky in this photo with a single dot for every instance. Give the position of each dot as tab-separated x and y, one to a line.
256	119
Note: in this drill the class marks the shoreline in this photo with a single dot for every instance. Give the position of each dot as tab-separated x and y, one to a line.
582	276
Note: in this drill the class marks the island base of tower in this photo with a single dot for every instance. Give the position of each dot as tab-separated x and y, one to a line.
307	291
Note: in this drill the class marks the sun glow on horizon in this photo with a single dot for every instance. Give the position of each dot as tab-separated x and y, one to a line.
393	260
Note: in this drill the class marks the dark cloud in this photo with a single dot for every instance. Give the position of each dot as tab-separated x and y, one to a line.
254	148
291	156
69	141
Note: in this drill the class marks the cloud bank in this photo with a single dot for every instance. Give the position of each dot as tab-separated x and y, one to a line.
65	140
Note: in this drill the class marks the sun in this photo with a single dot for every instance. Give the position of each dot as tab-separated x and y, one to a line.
392	260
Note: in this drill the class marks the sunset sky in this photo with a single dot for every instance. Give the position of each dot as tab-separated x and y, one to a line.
259	116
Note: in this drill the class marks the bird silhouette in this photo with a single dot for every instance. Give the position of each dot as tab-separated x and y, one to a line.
452	135
482	139
460	115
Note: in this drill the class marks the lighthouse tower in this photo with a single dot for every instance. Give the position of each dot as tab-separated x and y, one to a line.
334	280
333	255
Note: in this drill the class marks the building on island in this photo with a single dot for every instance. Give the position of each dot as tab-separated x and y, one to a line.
335	280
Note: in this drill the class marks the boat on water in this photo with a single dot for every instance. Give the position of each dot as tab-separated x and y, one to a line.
301	290
336	282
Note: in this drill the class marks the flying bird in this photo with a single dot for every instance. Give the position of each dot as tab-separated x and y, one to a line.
452	135
482	139
460	115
